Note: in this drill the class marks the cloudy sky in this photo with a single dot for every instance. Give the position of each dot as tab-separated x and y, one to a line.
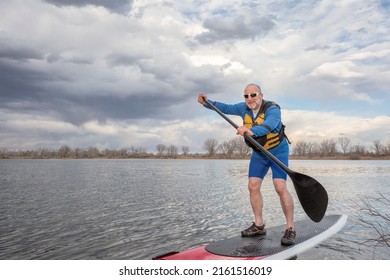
115	74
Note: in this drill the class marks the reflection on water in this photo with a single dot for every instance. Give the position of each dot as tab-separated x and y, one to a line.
341	167
137	209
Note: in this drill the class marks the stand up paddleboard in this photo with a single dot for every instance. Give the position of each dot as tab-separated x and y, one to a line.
267	246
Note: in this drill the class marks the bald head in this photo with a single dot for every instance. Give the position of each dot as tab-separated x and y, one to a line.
252	87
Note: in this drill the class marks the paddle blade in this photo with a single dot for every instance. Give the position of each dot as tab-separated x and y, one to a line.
311	194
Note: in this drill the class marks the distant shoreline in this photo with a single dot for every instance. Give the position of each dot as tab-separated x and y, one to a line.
202	156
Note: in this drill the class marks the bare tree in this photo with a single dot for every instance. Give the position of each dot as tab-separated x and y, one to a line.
359	149
160	149
93	152
3	153
301	148
108	153
211	146
185	150
136	151
42	153
345	144
64	151
172	150
377	147
328	147
227	148
122	153
241	147
306	148
77	152
386	149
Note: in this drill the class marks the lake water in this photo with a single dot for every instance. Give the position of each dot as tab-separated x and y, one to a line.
138	209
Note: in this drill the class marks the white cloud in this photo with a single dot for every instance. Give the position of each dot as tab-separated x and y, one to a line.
369	54
115	77
313	126
340	69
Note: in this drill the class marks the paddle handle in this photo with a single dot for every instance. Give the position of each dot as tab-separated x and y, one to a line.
250	139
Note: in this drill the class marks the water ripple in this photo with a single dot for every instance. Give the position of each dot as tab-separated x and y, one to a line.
138	209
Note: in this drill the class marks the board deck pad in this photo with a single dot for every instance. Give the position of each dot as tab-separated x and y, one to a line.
269	243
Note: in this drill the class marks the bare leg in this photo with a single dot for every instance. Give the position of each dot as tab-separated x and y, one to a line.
256	199
286	201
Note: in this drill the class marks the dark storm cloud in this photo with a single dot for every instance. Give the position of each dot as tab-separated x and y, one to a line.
17	82
117	6
80	109
24	90
172	74
121	59
19	53
38	92
239	27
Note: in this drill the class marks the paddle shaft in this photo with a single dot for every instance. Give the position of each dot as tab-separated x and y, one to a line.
250	139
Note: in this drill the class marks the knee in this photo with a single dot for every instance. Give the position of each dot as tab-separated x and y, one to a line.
280	186
254	185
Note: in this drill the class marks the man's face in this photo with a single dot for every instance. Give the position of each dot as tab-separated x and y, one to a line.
253	97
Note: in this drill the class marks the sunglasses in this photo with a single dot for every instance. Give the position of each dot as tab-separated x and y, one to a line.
253	95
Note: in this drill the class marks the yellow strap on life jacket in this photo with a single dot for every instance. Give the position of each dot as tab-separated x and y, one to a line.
270	140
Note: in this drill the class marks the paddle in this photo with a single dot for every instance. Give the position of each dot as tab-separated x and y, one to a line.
311	194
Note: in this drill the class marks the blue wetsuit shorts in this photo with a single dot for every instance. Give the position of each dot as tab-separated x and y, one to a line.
260	163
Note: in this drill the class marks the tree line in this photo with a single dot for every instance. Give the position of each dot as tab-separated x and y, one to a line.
340	147
234	148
